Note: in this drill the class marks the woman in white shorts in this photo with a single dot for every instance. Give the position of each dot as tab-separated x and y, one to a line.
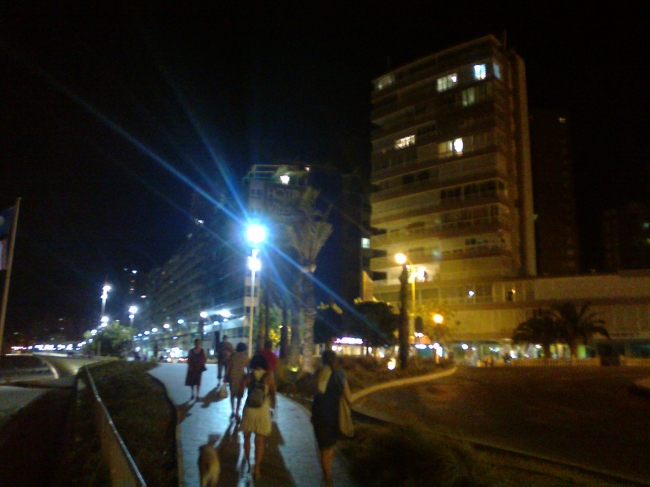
260	387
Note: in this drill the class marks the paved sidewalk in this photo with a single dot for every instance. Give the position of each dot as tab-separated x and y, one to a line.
291	455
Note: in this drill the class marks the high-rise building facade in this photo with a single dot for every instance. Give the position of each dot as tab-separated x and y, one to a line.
556	227
199	290
451	171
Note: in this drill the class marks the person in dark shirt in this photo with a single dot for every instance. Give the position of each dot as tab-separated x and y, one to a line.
331	385
224	352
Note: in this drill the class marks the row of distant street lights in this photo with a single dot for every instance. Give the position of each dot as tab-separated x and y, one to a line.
256	235
104	319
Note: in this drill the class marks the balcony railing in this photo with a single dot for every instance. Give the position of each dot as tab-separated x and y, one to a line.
442	231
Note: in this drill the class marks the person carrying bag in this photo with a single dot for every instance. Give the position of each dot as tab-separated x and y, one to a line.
330	414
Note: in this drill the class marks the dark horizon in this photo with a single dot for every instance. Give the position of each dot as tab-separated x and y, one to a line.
114	115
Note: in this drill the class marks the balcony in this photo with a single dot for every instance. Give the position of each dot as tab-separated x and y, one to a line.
442	231
426	257
383	219
417	258
443	180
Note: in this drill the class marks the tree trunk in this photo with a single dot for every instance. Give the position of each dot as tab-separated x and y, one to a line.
573	347
262	326
267	316
309	315
294	347
284	332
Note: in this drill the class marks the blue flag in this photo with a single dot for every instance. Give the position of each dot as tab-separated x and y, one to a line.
6	217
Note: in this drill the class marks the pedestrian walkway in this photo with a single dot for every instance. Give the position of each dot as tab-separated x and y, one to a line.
291	455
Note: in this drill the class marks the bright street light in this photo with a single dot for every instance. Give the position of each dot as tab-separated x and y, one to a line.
104	297
132	310
256	234
401	259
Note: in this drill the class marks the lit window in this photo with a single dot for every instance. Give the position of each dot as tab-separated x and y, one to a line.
469	96
447	82
497	71
445	148
479	71
458	146
404	142
284	179
476	94
365	243
384	81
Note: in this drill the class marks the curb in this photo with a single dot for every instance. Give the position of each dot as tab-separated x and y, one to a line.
402	382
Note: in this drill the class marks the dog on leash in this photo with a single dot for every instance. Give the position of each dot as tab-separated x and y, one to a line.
209	465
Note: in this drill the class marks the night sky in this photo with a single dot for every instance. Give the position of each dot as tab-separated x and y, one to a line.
111	115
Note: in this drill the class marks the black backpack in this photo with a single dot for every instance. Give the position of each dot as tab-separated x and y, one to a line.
256	393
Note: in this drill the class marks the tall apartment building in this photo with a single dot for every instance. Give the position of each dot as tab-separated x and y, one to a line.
556	227
452	174
203	276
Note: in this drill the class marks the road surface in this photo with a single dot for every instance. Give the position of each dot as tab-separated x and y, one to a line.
578	415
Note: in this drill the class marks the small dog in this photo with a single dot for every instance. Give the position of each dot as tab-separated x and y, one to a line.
209	465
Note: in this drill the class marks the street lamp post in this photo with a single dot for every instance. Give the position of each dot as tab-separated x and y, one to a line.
403	260
104	297
409	272
132	311
204	316
256	235
403	330
98	336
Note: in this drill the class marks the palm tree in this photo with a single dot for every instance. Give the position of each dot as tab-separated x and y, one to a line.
307	234
541	328
577	325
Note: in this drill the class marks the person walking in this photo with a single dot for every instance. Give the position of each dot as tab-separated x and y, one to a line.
270	356
224	352
331	385
235	372
260	386
196	360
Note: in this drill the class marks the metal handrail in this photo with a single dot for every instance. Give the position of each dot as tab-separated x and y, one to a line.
123	470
